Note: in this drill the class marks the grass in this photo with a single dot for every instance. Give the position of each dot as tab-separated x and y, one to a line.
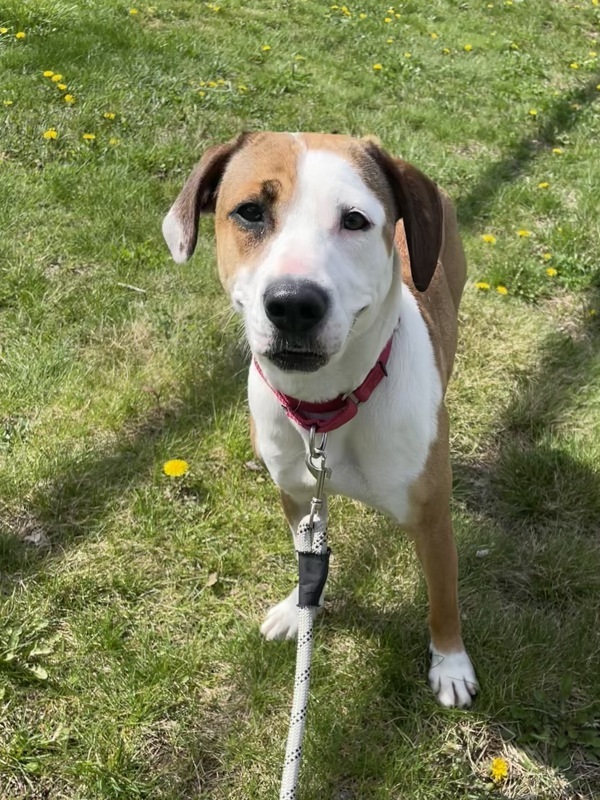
130	660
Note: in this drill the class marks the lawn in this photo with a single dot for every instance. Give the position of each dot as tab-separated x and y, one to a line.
130	660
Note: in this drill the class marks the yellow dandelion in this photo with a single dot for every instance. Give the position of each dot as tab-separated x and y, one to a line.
201	94
51	133
398	16
114	141
501	289
377	67
241	88
61	86
446	51
362	16
557	151
434	36
3	30
133	12
593	54
56	77
482	286
221	82
7	102
334	8
514	46
489	238
212	84
299	58
547	256
175	467
574	65
109	115
533	112
499	769
346	11
543	185
20	35
265	48
390	41
598	86
68	98
407	55
387	19
551	272
89	137
468	48
48	73
523	233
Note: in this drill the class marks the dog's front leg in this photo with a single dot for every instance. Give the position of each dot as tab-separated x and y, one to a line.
451	675
281	621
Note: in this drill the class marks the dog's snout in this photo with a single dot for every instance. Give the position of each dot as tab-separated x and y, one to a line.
295	307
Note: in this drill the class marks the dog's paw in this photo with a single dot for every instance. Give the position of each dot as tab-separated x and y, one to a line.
452	678
281	621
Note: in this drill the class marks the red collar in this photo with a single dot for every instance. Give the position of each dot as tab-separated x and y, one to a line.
345	405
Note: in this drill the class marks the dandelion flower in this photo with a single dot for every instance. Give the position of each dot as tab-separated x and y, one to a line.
468	48
551	272
514	46
387	19
593	54
3	30
446	51
109	115
242	88
499	769
547	256
89	137
543	185
407	55
377	67
489	238
574	65
533	112
265	48
20	35
362	16
482	286
113	141
175	467
434	36
524	234
390	41
557	151
201	94
56	77
598	86
212	84
7	102
48	73
50	133
68	98
501	289
133	12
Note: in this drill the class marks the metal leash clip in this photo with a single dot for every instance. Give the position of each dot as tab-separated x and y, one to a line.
319	471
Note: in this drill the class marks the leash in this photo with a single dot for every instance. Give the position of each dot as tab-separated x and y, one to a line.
313	566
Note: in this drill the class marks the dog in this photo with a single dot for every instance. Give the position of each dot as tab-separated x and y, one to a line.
347	267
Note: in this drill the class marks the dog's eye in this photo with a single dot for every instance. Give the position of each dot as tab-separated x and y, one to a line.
355	221
251	213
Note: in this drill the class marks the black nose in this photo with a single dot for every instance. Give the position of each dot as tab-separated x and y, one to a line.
295	306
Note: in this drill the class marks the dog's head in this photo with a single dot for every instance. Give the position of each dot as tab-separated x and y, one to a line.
305	236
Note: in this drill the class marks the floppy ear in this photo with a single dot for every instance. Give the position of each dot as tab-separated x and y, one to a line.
198	196
419	205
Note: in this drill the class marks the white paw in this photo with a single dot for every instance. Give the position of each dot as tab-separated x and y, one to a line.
281	621
452	678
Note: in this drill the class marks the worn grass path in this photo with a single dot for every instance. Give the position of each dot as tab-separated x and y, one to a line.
130	660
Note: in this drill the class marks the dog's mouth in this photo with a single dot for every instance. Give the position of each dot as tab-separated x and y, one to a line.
291	357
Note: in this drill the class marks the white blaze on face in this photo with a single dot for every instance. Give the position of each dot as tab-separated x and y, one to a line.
353	266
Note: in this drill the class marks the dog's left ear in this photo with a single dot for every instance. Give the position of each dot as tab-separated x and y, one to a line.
419	205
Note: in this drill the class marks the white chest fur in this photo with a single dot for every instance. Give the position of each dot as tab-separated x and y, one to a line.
376	456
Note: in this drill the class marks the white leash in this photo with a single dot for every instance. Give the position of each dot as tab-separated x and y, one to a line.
313	565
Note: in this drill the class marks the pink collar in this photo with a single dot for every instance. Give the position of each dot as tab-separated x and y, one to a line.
345	405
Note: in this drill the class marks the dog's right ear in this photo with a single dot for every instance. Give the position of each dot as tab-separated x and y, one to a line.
198	196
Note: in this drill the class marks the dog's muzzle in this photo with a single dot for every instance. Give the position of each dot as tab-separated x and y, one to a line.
296	309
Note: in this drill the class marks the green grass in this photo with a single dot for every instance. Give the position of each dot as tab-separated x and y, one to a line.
130	660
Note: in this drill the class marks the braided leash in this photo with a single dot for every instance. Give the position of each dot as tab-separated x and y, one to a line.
313	565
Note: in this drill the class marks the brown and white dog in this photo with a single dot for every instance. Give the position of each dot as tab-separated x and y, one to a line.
330	248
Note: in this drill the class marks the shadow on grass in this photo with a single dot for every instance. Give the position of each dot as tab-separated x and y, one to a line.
77	501
560	118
